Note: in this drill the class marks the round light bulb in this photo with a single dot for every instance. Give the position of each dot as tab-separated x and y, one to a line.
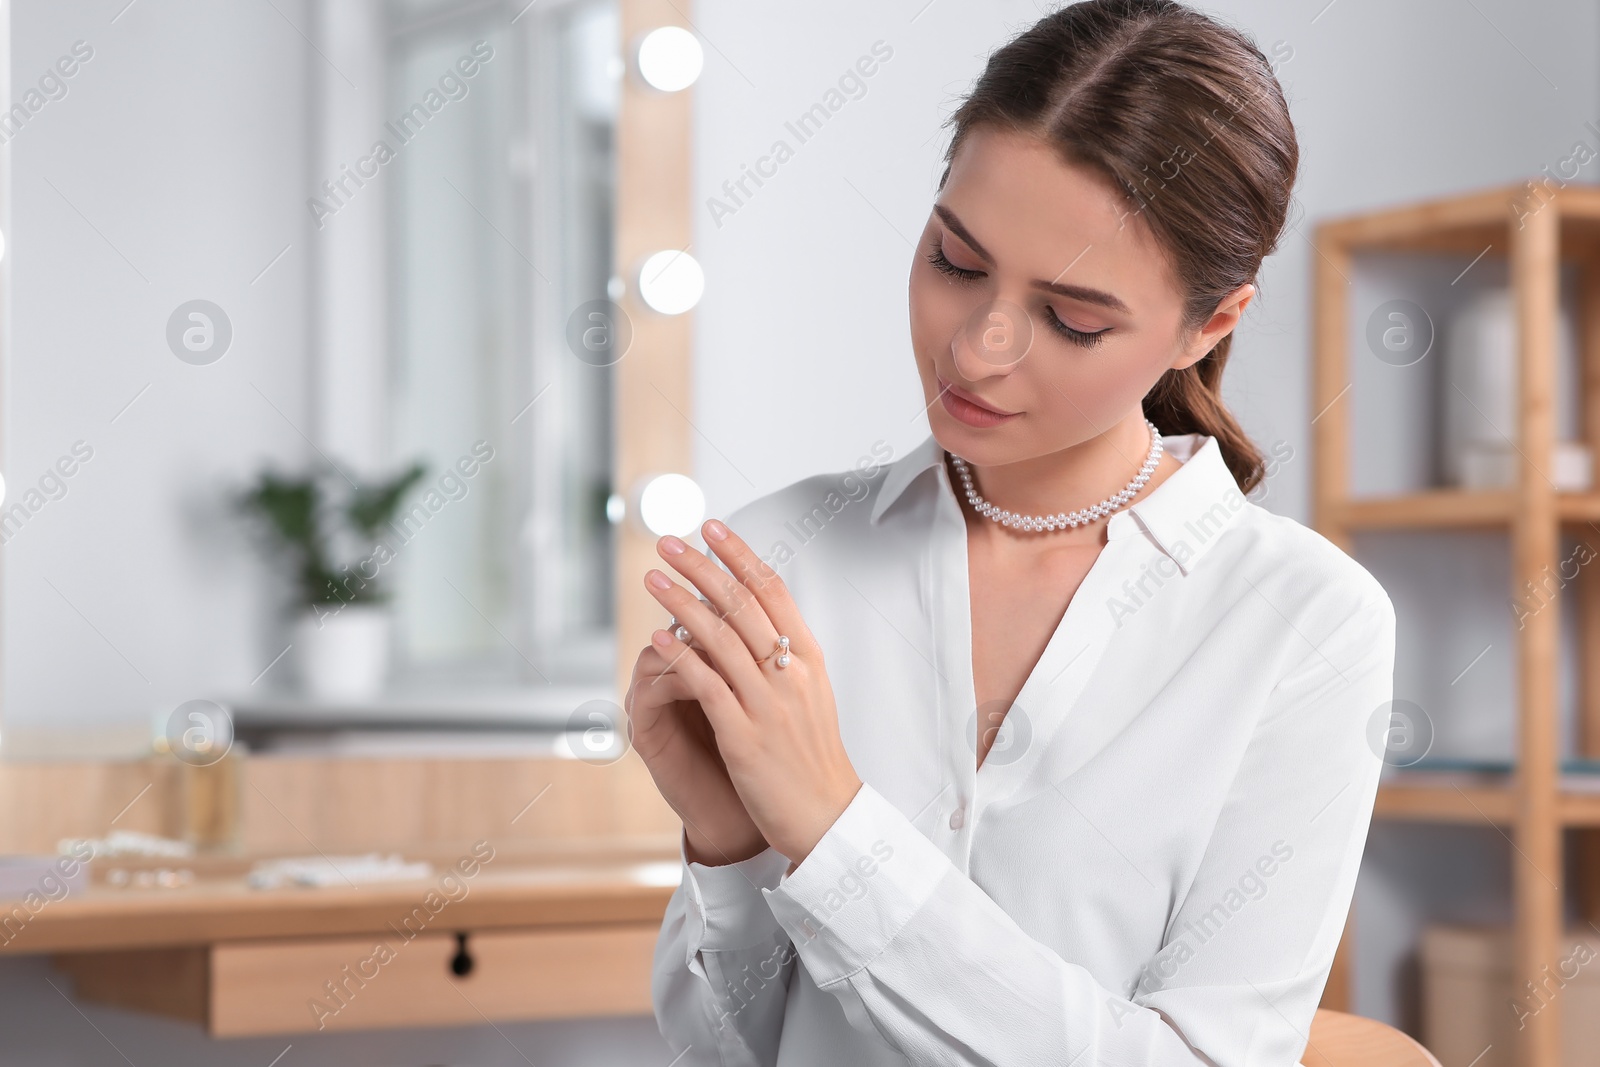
670	58
671	504
671	282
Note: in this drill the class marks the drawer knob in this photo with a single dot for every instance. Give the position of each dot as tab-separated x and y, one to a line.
461	962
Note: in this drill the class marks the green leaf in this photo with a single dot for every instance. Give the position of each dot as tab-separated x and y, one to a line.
294	508
371	507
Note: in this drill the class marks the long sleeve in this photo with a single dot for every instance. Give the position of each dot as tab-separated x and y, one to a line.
722	964
915	951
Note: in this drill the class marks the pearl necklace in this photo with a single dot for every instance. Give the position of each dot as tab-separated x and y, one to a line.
1062	520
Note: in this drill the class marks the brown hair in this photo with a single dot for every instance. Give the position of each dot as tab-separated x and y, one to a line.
1186	116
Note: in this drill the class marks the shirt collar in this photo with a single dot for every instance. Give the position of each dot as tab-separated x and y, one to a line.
1183	515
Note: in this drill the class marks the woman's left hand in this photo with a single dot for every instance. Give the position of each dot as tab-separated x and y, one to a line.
777	727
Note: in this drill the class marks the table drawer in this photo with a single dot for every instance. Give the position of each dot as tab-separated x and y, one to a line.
243	988
279	987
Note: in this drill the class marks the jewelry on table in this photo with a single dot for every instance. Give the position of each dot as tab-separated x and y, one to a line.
1062	520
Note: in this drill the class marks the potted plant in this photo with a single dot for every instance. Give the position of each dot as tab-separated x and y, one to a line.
334	543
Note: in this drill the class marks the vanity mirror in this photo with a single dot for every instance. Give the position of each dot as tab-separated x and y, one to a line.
300	249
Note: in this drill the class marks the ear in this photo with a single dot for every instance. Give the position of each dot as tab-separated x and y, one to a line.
1222	322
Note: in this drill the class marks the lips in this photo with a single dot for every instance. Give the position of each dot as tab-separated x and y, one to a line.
969	398
968	410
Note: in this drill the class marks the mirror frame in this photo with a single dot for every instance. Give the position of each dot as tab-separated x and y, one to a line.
654	384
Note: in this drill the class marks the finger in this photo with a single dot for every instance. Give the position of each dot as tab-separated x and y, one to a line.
729	655
654	683
686	637
763	583
652	666
733	602
710	688
668	697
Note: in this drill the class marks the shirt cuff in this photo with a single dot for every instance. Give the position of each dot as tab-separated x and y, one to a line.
725	911
864	880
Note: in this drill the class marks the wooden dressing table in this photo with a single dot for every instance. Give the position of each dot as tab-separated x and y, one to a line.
550	880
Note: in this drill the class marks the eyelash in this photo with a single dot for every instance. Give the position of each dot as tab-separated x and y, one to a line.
1078	337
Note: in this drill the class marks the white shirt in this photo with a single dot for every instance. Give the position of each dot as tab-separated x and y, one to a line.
1154	863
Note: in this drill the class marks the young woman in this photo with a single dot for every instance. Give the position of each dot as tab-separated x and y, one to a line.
1041	744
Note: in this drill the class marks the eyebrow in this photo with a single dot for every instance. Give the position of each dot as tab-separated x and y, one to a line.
1073	292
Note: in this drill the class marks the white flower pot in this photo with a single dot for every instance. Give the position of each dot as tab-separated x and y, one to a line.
343	651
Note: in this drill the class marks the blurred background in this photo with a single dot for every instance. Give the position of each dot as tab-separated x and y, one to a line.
356	350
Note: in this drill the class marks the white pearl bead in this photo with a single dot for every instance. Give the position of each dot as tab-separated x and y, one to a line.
1062	519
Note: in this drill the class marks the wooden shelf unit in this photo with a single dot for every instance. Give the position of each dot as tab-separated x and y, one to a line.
1452	509
1535	226
1446	797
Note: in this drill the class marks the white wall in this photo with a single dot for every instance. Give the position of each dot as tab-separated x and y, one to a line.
803	356
173	169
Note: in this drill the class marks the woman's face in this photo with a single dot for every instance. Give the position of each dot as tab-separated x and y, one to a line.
1038	293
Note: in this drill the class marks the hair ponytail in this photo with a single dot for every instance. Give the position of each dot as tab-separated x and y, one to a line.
1190	401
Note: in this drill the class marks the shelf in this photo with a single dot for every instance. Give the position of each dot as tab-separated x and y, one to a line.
1535	228
1461	791
1470	224
456	706
1462	799
1442	509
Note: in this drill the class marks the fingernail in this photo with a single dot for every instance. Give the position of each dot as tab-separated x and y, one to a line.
672	546
715	530
659	580
662	638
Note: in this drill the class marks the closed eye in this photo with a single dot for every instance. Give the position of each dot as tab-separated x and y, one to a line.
1077	337
937	258
1082	338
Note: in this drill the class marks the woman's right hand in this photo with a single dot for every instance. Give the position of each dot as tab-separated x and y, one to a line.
673	737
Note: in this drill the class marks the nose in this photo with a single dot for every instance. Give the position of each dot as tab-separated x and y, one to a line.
992	341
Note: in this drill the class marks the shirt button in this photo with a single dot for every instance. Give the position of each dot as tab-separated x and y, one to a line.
957	818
